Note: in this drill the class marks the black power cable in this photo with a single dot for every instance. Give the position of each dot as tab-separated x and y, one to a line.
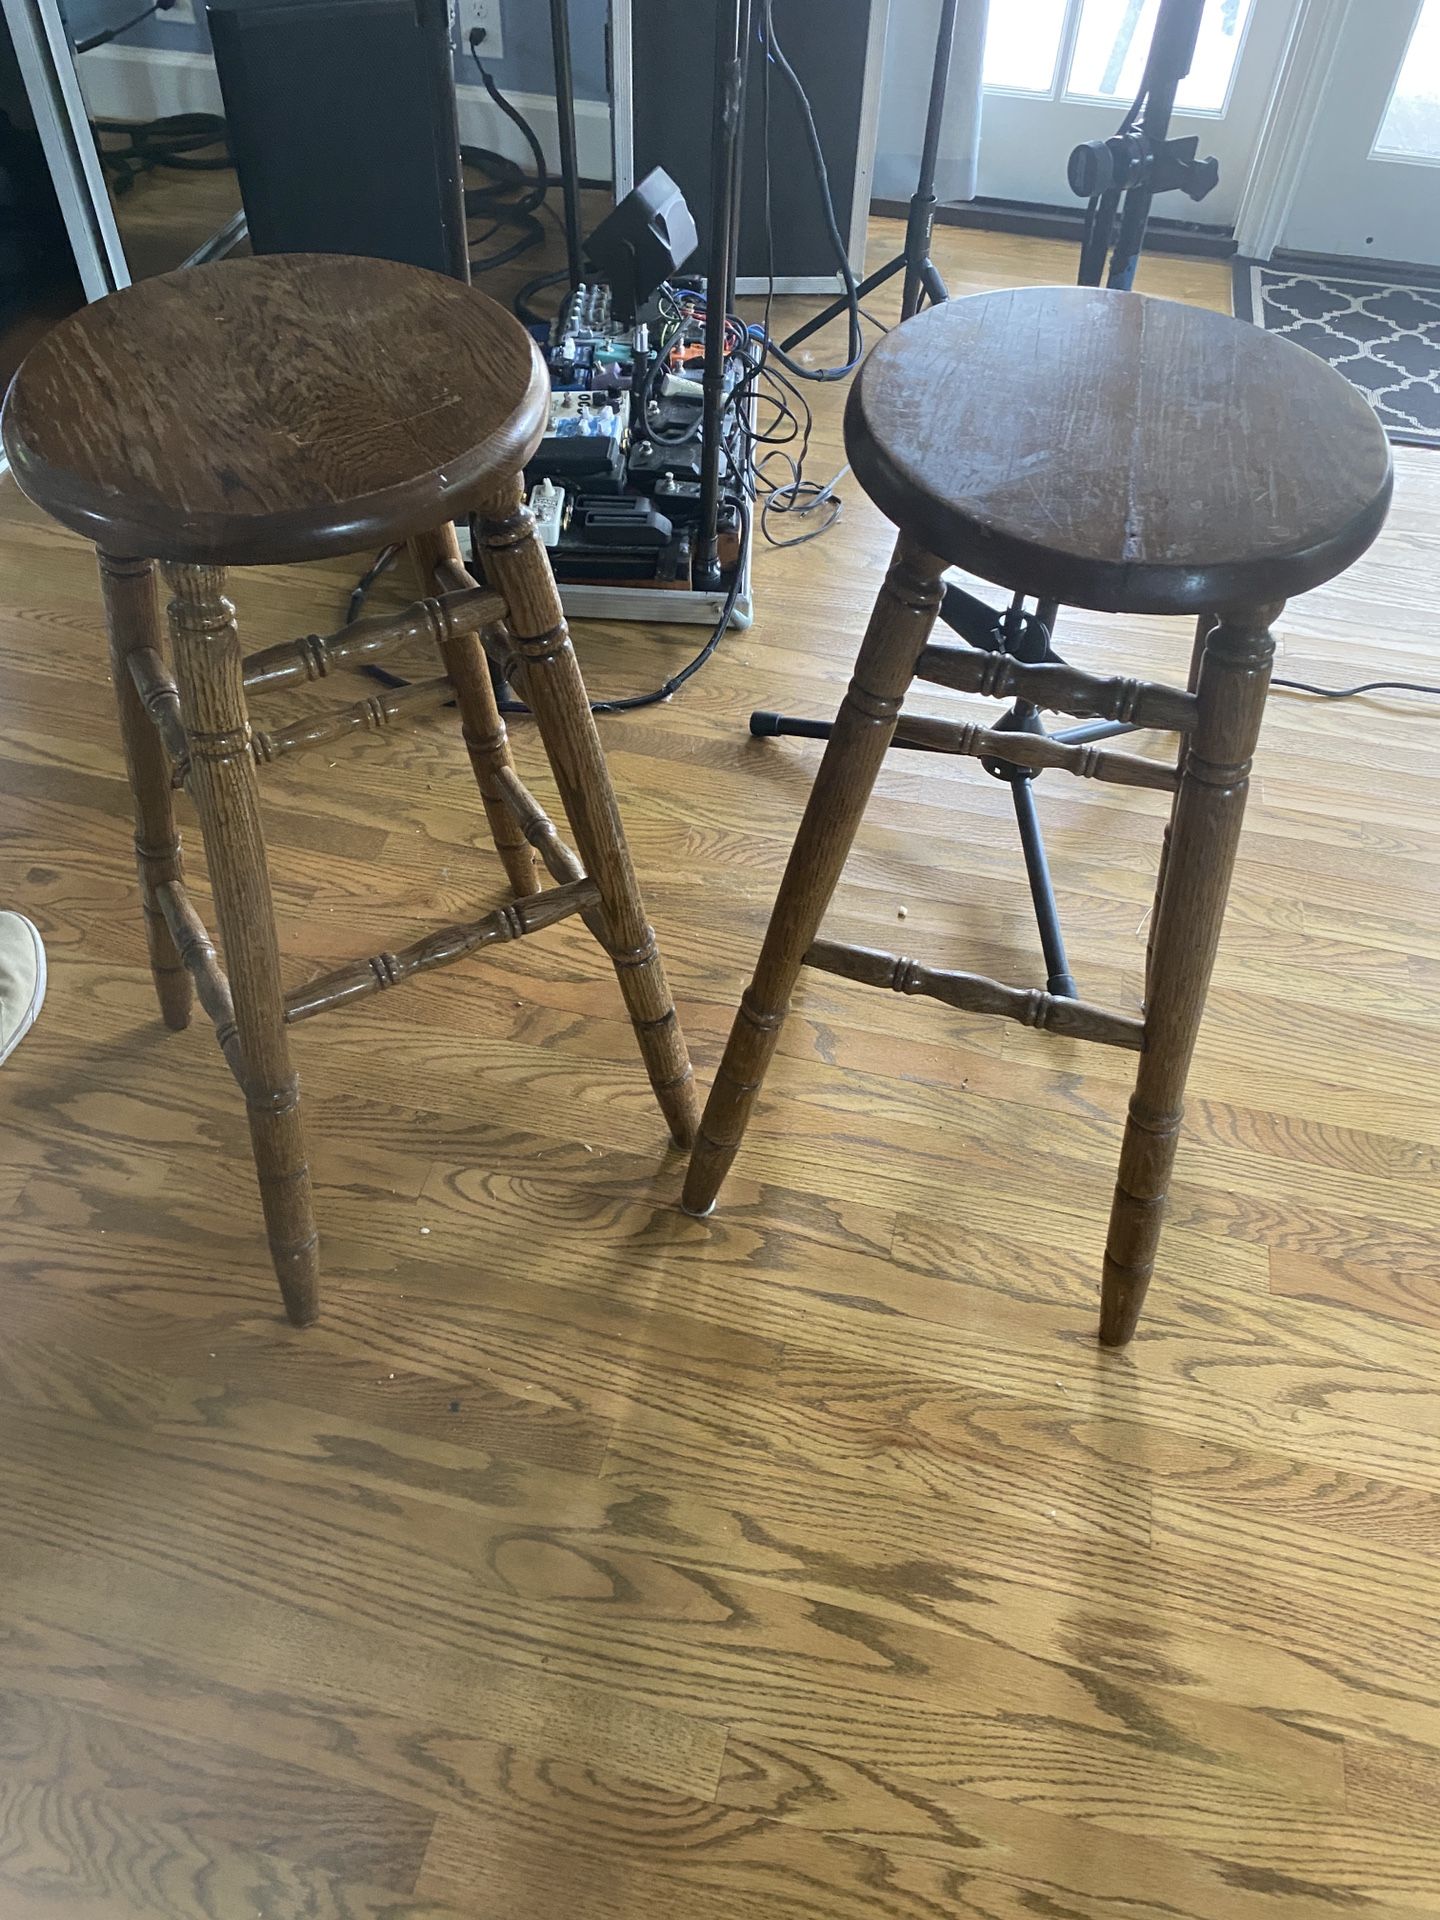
513	200
107	34
181	142
855	340
1351	693
793	422
631	703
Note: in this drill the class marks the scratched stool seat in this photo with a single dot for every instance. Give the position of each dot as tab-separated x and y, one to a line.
1097	449
292	408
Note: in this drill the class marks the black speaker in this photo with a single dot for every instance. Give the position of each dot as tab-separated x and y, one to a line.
342	123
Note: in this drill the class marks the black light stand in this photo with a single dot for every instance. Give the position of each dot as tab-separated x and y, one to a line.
1121	177
922	276
565	114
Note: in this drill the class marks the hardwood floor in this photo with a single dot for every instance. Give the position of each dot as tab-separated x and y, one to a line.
588	1562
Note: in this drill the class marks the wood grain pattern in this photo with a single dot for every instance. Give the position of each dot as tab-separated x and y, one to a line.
1056	689
222	779
133	624
515	562
299	433
436	557
1086	493
1197	861
1036	750
295	365
1121	482
808	1562
972	992
435	619
361	978
898	630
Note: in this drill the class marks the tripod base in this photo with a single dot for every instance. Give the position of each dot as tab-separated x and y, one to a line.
925	271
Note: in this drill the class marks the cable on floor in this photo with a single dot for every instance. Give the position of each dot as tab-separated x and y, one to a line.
1351	693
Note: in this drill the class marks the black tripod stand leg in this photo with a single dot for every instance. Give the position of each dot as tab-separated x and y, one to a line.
936	292
569	164
969	616
1059	979
837	307
765	726
1089	730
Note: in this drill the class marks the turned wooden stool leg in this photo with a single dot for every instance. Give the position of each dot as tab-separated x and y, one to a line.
1192	681
899	627
1205	832
486	739
517	567
225	789
132	619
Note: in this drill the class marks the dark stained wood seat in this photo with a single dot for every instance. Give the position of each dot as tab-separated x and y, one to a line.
288	408
277	409
1103	450
1114	451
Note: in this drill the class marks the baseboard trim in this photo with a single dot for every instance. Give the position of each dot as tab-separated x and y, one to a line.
1065	223
1347	267
146	83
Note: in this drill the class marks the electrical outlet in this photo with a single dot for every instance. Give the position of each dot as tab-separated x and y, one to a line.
485	14
182	12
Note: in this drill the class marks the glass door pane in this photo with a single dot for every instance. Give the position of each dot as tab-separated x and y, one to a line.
1022	45
1114	38
1411	127
1057	74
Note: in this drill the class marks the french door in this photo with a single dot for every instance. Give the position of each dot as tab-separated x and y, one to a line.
1059	72
1368	186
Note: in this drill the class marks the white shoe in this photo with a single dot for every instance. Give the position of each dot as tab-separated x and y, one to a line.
22	979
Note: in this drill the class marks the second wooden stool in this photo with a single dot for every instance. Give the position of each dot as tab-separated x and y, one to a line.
293	408
1101	450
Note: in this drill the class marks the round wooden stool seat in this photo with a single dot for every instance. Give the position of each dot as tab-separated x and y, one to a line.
1114	451
275	409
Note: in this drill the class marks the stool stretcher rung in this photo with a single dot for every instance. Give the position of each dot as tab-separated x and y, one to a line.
973	993
455	577
162	703
372	714
200	960
561	861
161	699
1036	750
1058	689
360	978
445	617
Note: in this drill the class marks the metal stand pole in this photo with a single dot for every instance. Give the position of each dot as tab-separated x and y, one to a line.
1172	50
569	162
732	51
921	273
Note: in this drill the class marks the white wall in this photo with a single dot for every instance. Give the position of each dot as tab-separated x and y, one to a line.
905	94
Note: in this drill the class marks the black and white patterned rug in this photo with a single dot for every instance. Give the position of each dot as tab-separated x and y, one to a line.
1383	336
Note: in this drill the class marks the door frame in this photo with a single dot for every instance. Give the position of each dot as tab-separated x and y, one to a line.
47	67
1291	122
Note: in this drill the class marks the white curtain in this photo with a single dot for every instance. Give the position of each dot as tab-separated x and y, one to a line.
905	93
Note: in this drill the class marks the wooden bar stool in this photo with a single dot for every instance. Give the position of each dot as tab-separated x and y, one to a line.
1102	450
294	408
